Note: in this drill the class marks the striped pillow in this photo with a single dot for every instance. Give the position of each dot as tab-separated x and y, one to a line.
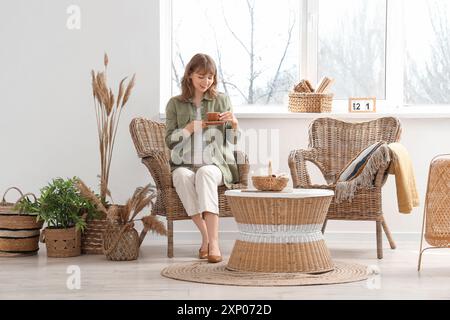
354	168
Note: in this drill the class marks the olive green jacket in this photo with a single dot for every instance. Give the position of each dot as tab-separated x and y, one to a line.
219	139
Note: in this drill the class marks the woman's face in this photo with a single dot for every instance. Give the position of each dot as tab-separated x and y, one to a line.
202	82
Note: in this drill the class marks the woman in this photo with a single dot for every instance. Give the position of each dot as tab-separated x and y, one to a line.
201	159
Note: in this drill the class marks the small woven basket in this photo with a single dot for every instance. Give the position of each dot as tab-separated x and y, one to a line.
269	183
310	102
62	243
19	232
121	243
92	238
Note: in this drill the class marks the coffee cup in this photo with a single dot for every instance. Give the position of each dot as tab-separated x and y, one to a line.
213	116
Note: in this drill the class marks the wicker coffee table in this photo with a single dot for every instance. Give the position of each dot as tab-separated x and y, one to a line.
280	231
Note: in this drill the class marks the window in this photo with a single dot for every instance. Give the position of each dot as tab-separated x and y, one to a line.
427	52
396	50
352	37
254	44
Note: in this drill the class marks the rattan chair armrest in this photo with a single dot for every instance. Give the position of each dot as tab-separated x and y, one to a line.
159	167
297	165
243	166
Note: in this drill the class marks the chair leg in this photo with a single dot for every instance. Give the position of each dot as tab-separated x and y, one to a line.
388	234
324	226
420	258
170	238
379	241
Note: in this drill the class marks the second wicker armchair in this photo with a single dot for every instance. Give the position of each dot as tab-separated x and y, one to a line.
333	144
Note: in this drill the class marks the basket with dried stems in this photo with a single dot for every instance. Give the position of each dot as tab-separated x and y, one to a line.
108	110
121	241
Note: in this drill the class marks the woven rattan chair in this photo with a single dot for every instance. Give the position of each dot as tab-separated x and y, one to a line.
436	215
148	137
332	145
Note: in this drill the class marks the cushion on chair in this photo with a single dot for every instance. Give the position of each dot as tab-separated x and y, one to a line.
356	166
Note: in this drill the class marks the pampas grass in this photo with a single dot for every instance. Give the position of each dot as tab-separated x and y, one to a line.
141	198
152	223
89	195
107	111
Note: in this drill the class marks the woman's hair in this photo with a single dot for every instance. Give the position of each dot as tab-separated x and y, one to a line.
203	64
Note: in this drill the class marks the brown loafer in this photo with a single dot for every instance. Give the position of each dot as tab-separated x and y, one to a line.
202	254
214	259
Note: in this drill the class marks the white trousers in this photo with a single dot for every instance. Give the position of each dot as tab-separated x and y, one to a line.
198	190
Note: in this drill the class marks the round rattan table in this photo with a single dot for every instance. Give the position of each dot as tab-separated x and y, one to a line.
280	231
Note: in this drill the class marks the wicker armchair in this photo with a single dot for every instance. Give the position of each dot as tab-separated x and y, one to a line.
148	138
332	145
436	215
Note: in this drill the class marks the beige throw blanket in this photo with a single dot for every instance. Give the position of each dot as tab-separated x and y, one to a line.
401	166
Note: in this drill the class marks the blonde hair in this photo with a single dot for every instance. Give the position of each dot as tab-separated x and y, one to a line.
201	63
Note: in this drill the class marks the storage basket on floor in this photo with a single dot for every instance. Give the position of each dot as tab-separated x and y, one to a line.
19	232
92	238
310	102
62	243
121	242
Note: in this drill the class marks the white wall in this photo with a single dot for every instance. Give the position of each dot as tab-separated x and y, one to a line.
47	121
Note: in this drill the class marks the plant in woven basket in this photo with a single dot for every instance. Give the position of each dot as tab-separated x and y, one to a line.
61	205
108	109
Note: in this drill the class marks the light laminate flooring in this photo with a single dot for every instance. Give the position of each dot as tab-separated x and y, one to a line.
39	277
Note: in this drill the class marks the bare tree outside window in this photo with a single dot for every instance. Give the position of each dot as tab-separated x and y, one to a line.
254	43
427	52
352	37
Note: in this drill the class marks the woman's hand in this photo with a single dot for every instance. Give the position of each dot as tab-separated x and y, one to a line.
195	126
229	116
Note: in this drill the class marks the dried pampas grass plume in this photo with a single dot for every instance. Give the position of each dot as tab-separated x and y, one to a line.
105	60
128	90
89	195
151	223
108	108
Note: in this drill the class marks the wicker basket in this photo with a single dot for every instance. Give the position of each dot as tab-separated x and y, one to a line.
269	183
19	232
121	243
92	238
310	102
62	243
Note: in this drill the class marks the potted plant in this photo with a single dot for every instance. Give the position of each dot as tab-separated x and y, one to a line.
63	209
108	108
19	228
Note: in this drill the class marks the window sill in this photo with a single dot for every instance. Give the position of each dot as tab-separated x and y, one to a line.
282	112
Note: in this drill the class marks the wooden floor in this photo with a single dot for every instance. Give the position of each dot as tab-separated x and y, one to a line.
40	277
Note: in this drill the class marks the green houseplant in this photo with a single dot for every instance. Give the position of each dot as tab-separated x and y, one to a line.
64	210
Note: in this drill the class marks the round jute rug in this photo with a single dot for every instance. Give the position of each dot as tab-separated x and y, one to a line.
216	273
